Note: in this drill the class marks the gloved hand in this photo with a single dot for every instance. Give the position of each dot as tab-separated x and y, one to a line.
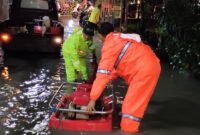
71	107
91	106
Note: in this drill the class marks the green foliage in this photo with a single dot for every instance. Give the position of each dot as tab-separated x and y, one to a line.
178	27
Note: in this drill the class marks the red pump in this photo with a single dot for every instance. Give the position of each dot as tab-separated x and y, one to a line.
70	114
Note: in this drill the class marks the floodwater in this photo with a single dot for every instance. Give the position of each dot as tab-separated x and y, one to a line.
28	81
26	85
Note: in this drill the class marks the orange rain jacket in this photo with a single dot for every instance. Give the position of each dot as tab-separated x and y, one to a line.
139	67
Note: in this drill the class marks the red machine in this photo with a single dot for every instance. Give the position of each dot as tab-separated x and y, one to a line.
70	114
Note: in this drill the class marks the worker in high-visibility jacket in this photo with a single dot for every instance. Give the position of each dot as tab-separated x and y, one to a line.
94	17
125	55
74	50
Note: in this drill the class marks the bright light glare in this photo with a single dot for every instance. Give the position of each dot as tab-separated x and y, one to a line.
57	40
59	14
5	37
70	23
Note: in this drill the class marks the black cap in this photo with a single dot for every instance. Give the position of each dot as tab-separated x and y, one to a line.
83	22
105	28
88	31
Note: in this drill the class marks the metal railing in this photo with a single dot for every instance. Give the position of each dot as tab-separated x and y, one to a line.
56	98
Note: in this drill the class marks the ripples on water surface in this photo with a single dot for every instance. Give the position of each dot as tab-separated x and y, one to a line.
26	86
25	89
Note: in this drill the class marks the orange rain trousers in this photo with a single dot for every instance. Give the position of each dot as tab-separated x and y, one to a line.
139	93
139	67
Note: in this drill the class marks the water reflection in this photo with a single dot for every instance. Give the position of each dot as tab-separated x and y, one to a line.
5	73
25	90
24	105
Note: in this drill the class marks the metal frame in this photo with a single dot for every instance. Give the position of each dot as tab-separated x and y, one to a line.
57	93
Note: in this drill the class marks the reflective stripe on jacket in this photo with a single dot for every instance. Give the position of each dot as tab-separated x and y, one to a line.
129	65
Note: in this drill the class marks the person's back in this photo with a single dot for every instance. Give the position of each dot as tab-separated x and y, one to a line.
77	29
94	18
95	15
136	53
75	43
75	50
126	56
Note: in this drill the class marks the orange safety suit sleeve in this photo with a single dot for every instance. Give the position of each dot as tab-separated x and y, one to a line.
101	80
114	74
98	86
109	53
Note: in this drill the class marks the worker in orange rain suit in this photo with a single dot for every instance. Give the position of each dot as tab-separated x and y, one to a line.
74	50
126	56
